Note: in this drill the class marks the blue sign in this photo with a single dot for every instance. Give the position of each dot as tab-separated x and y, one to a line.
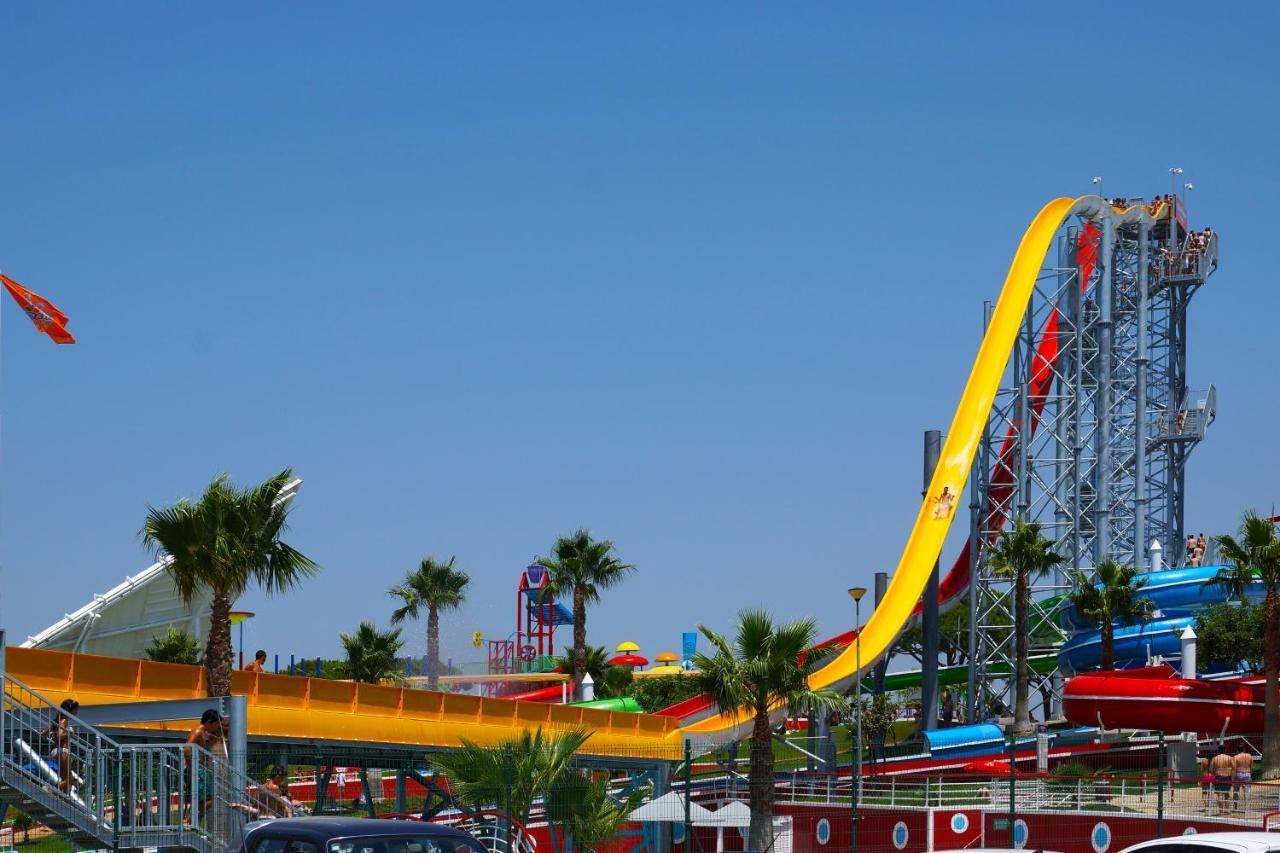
690	645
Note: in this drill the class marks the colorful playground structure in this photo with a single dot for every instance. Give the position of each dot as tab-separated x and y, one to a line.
1077	413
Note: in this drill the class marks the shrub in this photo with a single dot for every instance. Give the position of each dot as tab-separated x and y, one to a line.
654	694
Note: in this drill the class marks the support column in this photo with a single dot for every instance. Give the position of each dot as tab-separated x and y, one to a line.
1061	406
1102	434
662	785
1075	303
1140	413
237	709
929	615
972	700
880	586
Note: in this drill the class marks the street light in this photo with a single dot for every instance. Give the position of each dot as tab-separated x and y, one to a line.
1173	179
856	594
1097	181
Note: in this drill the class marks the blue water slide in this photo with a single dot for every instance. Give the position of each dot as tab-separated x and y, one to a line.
1134	644
1185	588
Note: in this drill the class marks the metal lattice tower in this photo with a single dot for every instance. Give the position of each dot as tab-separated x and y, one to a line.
1091	433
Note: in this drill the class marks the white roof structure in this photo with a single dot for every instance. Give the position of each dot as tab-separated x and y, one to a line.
669	808
736	813
123	620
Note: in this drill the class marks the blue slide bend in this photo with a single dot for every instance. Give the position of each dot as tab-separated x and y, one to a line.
1176	593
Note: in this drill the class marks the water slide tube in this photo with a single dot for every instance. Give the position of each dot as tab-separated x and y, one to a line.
1187	589
942	497
1135	645
1155	698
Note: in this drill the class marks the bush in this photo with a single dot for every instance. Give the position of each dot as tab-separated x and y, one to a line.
654	694
176	646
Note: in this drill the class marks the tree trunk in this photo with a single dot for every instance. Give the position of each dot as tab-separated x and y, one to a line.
1271	666
760	837
579	635
217	651
1021	639
433	647
1107	659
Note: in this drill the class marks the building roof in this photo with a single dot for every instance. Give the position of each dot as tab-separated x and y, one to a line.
122	621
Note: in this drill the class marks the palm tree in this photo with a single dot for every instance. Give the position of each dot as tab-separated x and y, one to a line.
176	646
436	586
1113	598
511	774
222	543
610	680
765	669
1256	556
581	567
371	654
1023	555
587	812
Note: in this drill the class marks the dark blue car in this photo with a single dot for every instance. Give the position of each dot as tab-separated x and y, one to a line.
348	835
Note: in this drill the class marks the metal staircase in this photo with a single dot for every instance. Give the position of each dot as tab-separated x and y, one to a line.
121	795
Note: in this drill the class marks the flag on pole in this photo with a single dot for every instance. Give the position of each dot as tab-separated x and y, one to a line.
43	313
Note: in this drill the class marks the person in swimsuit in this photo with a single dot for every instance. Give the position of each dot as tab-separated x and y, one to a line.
211	735
1243	777
259	662
1223	768
59	732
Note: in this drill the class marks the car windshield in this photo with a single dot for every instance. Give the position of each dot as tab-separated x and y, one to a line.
404	844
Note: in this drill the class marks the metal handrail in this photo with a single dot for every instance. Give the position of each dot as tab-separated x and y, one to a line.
136	792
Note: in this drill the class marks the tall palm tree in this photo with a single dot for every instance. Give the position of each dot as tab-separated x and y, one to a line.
511	774
1022	554
764	670
371	654
223	543
1255	556
435	586
1112	598
581	567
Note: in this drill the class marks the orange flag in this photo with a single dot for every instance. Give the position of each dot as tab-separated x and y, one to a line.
43	313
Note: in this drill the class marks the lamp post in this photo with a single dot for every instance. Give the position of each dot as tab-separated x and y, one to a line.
856	594
1173	179
1097	182
239	617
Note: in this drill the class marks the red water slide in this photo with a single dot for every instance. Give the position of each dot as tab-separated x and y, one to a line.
1155	698
955	582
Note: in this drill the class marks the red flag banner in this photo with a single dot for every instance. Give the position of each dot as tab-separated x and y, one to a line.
43	313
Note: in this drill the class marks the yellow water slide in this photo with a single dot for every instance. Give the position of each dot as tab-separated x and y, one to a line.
942	499
289	707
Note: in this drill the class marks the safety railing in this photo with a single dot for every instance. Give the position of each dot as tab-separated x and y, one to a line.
496	832
1138	794
1193	261
127	794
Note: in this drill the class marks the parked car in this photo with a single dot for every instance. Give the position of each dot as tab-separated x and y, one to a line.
350	835
997	850
1206	842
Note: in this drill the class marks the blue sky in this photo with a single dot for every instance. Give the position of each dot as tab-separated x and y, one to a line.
693	276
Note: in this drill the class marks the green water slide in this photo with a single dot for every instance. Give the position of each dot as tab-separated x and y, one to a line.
618	703
953	676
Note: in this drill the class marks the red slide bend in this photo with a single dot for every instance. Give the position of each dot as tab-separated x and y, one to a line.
955	582
1155	698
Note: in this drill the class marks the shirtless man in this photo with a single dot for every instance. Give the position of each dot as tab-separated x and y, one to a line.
1243	777
211	735
259	662
1223	768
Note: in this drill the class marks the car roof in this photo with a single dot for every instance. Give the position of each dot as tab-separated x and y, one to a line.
325	828
1254	842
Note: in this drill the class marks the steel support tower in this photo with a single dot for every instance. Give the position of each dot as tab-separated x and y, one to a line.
1091	433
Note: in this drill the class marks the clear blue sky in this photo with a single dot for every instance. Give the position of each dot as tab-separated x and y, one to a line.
693	276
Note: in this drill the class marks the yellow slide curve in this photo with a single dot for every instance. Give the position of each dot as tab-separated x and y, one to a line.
288	707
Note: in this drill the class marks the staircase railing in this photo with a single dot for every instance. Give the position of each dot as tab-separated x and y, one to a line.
125	794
